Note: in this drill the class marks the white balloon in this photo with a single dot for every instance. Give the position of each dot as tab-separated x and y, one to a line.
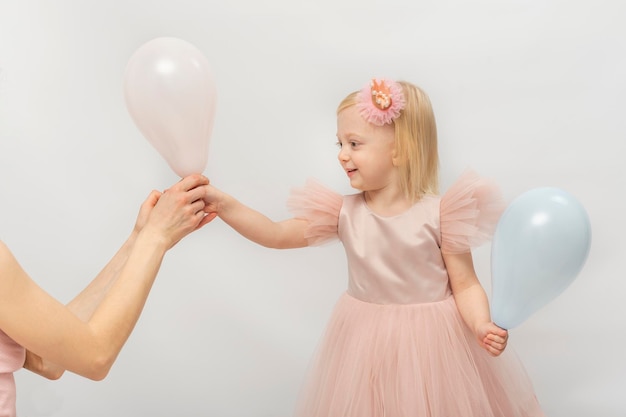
170	93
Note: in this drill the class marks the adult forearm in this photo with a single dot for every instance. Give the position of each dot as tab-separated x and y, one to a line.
116	316
84	305
86	302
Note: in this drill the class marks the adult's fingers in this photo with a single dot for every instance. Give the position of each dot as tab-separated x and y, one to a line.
197	193
190	182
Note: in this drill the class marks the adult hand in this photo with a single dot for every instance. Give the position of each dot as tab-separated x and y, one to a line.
178	211
36	364
146	209
492	338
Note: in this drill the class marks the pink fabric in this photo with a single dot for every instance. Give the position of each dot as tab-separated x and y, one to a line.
378	113
415	360
396	344
320	205
470	210
386	255
12	358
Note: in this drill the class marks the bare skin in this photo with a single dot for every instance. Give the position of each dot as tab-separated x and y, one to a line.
86	336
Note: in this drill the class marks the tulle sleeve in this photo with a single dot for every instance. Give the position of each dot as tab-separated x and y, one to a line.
469	211
320	206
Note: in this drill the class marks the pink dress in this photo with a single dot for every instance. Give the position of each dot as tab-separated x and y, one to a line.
396	345
12	358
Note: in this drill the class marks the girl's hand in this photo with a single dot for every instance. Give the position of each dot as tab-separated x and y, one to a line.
492	338
212	199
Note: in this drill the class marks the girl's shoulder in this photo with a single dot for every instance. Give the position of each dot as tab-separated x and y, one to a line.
313	194
469	212
320	206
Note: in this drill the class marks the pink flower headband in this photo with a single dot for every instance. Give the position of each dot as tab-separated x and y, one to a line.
381	101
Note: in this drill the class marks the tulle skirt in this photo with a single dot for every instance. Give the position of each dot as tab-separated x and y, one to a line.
417	360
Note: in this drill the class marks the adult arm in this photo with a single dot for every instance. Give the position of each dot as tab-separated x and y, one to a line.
51	330
86	302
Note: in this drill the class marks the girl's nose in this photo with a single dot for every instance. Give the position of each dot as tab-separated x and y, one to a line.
343	155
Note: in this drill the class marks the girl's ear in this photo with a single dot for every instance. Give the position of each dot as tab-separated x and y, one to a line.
394	158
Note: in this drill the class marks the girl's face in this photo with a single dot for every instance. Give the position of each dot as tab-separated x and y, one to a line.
366	151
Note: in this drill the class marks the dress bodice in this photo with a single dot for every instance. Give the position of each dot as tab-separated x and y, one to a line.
396	259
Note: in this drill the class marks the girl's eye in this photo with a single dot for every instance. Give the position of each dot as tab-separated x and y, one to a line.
338	144
353	144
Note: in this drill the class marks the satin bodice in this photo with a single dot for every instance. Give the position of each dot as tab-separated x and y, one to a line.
396	259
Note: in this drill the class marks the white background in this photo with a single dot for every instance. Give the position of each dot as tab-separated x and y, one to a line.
530	92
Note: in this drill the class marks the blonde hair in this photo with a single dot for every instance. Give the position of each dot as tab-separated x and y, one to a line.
415	142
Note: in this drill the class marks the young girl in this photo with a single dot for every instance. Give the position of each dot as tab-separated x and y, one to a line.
412	335
85	337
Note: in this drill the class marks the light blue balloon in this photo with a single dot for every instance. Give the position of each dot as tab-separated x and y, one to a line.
540	245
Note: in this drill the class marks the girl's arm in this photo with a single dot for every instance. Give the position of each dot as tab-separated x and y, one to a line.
473	304
50	330
253	225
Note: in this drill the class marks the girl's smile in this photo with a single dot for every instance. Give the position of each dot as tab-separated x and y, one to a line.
366	151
